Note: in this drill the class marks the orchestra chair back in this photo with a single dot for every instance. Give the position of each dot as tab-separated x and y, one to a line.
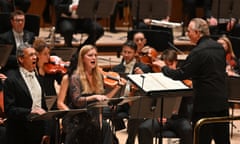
157	39
233	95
32	23
235	45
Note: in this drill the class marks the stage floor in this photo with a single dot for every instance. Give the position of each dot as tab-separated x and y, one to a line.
112	42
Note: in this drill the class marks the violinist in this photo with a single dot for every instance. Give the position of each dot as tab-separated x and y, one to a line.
231	60
43	56
145	54
130	65
140	40
49	80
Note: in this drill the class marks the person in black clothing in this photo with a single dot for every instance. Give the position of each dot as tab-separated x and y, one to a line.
179	124
68	23
16	36
24	97
205	65
9	6
48	79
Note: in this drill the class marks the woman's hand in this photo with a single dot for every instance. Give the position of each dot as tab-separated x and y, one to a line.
101	97
159	63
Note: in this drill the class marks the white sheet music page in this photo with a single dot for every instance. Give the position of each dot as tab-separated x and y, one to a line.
156	82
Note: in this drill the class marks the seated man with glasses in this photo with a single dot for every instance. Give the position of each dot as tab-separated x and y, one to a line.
16	36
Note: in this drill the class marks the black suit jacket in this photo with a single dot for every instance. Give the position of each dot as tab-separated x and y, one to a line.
8	38
206	66
17	106
121	68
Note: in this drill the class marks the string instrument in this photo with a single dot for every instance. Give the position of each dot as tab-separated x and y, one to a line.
110	78
230	60
147	56
56	65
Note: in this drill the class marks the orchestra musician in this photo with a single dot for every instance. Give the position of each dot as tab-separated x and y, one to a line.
231	60
24	97
16	36
68	23
43	57
48	79
86	86
179	123
130	65
205	65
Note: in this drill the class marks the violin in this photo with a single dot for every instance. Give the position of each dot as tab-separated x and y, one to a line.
147	56
110	78
56	65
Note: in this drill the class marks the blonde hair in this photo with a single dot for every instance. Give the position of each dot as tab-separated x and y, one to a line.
97	86
229	45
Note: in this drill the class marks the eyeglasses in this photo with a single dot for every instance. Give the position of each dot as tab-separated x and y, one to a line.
19	20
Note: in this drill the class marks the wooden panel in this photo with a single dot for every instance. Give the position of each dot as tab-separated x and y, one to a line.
37	7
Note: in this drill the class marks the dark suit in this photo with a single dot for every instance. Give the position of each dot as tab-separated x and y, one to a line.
206	66
132	123
8	38
17	106
68	26
121	68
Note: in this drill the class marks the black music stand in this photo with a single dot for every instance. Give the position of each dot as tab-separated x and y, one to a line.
150	9
157	39
95	9
55	115
160	88
5	51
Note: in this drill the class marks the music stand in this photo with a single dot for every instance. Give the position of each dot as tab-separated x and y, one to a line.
147	107
55	115
95	9
5	51
160	89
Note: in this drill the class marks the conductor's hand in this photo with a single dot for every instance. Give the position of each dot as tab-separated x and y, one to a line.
39	111
159	63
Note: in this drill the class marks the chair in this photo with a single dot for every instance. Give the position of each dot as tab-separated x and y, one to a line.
233	94
32	23
155	38
235	45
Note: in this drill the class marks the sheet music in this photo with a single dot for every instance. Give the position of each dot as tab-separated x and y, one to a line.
165	23
156	82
